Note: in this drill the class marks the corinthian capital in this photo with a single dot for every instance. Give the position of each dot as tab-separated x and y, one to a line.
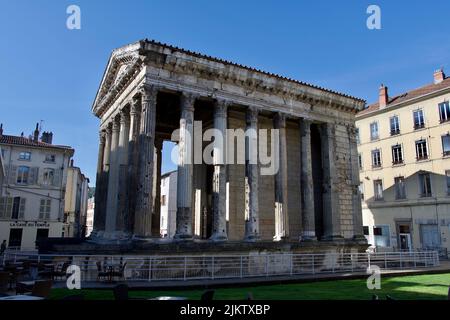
251	115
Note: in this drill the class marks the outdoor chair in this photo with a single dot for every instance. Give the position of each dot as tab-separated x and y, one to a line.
207	295
60	271
101	273
119	273
42	288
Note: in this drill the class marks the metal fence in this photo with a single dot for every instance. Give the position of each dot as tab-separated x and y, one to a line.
157	268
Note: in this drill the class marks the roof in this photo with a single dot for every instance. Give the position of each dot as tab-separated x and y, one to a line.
23	141
200	55
416	93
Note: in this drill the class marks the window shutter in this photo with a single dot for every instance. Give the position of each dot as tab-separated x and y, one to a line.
57	178
41	209
2	207
9	206
33	175
12	174
22	208
47	209
40	177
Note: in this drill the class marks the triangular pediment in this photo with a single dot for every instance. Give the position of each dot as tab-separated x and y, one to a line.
119	63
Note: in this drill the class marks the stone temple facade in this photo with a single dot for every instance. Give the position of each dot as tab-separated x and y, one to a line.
150	89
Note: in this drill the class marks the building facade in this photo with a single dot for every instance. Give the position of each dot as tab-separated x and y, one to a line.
90	216
151	90
76	203
404	159
32	199
168	204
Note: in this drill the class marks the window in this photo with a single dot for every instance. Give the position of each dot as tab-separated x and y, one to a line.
361	190
395	125
49	158
163	200
23	174
18	208
25	156
378	189
421	149
44	209
15	238
446	145
397	154
444	111
5	207
400	188
425	184
360	161
358	139
48	177
374	131
419	122
430	236
366	230
376	158
381	235
447	174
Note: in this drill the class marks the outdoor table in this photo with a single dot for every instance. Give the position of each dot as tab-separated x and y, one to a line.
21	297
168	298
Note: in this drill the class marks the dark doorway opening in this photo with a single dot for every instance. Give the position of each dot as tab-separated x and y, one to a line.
15	238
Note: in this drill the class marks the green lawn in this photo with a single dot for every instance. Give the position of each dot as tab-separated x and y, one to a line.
434	286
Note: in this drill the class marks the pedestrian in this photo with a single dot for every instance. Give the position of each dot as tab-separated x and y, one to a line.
3	247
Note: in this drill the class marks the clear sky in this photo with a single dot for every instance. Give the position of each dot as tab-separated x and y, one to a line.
51	73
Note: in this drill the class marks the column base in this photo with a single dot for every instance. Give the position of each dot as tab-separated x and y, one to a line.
218	238
308	236
359	238
336	237
183	237
280	238
251	238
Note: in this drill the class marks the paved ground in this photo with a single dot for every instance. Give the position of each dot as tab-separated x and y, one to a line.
234	282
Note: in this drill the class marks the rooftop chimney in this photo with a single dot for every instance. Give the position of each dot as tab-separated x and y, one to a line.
439	76
1	130
383	96
71	163
36	133
47	137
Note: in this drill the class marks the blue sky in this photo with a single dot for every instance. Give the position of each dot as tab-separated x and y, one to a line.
52	74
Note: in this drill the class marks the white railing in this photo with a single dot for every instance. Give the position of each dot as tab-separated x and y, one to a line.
157	268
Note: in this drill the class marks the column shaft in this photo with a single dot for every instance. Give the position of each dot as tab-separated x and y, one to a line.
185	168
121	223
281	192
308	215
220	175
144	202
331	216
132	164
156	219
251	176
111	205
99	221
356	195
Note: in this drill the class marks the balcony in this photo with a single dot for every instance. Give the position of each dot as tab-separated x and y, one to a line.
421	158
419	126
397	162
395	132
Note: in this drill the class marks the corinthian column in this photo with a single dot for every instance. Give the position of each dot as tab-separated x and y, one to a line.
143	213
251	176
281	212
99	222
132	164
123	170
219	184
185	166
356	195
308	216
331	216
111	205
156	219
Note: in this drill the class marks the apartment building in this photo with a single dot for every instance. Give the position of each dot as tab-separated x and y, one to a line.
404	160
33	190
